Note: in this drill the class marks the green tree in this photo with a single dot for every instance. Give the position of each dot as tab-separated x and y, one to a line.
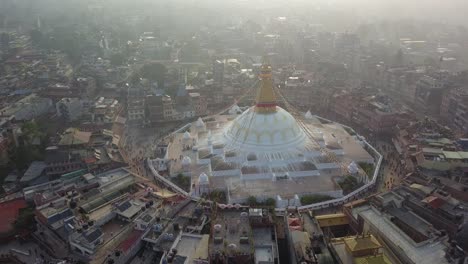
182	181
349	184
270	202
314	198
25	220
252	201
218	196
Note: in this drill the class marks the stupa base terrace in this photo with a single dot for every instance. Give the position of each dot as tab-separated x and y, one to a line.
214	159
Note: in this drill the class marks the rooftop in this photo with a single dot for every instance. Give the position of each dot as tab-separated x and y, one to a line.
231	233
430	252
34	170
10	211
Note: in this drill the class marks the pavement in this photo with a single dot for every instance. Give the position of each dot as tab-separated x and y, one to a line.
393	172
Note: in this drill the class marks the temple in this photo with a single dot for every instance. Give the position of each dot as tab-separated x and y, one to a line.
265	152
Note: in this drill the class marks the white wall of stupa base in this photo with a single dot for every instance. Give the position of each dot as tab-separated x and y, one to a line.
299	169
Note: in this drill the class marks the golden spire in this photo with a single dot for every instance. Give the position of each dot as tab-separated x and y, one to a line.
266	99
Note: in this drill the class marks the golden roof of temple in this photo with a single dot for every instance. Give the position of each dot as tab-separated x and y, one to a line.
266	99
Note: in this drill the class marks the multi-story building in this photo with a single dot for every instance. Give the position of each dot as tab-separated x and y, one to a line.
409	237
104	110
154	108
86	86
429	93
136	105
454	109
218	72
198	104
70	109
60	162
375	116
27	108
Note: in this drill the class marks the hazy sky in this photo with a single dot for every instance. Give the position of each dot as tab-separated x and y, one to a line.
446	11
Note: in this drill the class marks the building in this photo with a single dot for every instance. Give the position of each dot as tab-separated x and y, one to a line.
454	109
407	236
154	108
70	109
429	94
359	249
198	104
218	72
86	241
35	170
60	162
265	152
27	108
105	110
136	111
10	211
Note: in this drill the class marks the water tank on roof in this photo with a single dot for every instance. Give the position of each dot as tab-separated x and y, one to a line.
157	228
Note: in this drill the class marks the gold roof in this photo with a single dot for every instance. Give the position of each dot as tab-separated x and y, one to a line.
332	220
358	243
378	259
266	99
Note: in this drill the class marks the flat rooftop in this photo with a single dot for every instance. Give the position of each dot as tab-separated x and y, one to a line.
232	227
265	246
192	247
286	188
423	253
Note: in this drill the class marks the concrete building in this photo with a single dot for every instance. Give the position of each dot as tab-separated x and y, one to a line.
154	108
405	235
105	110
70	109
454	109
429	93
27	108
86	242
218	72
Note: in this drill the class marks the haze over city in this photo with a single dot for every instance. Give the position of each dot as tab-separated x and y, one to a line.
234	131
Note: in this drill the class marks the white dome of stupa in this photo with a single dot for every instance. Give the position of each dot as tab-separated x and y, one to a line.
186	161
265	127
259	131
203	179
308	115
353	168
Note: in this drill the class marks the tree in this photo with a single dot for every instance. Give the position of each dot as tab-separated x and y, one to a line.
31	147
314	198
270	202
182	181
252	200
25	220
349	184
218	196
